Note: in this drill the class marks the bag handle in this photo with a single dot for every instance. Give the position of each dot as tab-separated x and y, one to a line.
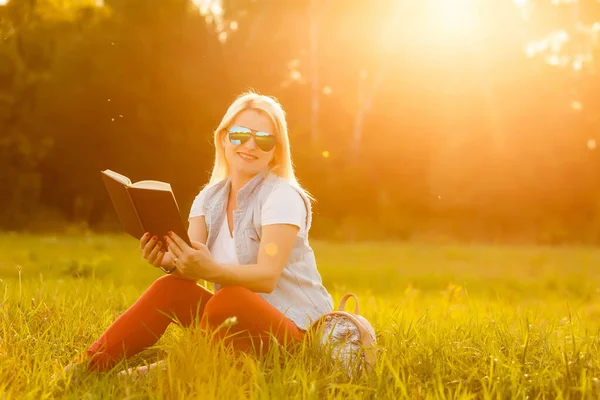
343	302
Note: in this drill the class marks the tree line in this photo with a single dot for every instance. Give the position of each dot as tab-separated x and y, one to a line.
406	121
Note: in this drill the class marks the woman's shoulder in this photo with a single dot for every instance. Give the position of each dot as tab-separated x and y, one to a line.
281	202
272	179
211	189
275	185
204	199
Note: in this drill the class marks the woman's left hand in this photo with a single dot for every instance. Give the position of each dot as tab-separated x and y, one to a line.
194	263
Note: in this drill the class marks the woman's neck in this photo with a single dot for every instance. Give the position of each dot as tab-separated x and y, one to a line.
238	181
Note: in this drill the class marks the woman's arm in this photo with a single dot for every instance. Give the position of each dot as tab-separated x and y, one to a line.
282	218
197	229
275	248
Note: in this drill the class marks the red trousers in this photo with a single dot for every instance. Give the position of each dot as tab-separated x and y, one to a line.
169	299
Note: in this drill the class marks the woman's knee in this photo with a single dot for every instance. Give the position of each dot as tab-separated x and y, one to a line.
169	282
228	296
226	302
234	292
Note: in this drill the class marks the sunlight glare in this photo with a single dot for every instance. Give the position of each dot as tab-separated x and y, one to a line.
3	2
454	22
576	105
562	36
553	59
530	50
554	49
591	144
212	11
271	249
533	48
557	60
203	5
458	17
216	8
296	75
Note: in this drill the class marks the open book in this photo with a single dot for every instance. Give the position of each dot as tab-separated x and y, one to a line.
144	206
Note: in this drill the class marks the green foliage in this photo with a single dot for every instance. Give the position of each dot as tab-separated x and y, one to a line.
471	140
451	321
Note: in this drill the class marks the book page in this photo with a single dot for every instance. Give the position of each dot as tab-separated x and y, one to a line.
154	185
117	177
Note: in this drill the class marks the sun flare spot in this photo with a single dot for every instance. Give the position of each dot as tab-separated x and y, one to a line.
271	249
591	144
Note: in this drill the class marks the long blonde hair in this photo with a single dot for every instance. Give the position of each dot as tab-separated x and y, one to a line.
281	164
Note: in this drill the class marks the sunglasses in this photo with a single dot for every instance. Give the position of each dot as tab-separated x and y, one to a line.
240	135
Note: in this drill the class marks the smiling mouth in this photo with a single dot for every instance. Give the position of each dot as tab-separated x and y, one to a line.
246	156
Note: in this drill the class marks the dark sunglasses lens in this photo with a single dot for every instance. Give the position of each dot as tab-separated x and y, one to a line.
239	135
265	142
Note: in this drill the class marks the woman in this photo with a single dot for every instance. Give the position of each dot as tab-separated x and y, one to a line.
249	234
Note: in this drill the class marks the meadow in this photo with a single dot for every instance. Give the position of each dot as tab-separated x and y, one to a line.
453	321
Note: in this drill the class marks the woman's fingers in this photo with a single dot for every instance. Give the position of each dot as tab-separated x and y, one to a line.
152	249
176	241
149	246
177	246
144	239
152	256
159	259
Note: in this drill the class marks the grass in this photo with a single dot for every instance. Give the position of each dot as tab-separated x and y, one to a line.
452	322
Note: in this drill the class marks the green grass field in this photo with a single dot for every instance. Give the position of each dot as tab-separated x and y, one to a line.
452	322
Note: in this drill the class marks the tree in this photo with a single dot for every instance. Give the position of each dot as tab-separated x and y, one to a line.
31	34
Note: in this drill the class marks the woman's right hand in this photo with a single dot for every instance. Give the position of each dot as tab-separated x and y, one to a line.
154	252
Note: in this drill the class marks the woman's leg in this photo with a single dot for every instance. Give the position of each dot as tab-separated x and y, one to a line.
147	319
255	320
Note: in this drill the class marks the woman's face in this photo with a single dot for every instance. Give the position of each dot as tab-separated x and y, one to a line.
244	156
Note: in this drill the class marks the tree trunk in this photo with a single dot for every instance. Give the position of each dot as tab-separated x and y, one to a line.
365	100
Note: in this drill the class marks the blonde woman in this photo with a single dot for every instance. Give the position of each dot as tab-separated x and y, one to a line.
249	231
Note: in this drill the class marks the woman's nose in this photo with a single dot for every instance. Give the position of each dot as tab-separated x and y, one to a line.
250	144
